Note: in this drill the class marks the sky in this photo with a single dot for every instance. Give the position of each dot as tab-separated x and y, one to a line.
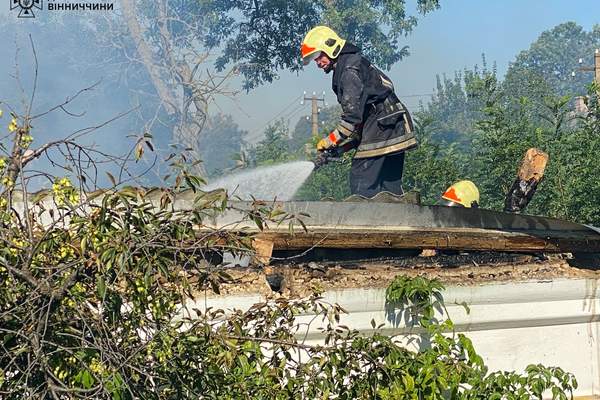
447	40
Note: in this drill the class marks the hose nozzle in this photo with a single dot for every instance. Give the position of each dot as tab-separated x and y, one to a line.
325	157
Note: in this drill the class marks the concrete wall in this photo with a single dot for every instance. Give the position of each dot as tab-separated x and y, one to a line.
555	323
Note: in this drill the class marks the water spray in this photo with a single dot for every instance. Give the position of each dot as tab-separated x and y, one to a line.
327	156
265	183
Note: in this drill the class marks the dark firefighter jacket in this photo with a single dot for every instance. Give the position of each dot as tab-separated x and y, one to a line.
371	112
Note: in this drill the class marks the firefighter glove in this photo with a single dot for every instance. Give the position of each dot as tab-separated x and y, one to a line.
322	159
330	140
325	144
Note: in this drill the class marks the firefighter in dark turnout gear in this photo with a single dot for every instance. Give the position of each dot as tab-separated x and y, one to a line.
373	120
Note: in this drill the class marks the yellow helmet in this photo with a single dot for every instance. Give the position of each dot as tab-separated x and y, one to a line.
321	39
464	193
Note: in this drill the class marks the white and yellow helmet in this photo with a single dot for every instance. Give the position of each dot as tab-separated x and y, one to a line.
321	39
464	193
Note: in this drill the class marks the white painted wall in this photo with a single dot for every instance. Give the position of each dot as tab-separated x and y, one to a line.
555	323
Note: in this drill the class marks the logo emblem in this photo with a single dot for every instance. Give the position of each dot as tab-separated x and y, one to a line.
26	7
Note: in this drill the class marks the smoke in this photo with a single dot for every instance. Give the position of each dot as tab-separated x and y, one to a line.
53	61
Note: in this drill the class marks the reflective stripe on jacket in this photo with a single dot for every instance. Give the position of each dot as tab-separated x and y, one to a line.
378	120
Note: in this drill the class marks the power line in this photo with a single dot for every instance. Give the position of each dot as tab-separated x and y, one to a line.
293	114
259	130
294	111
315	111
286	113
416	95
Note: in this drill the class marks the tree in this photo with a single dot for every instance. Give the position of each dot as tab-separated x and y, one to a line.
504	135
569	189
175	44
94	286
249	40
550	61
432	166
275	147
223	140
90	280
457	104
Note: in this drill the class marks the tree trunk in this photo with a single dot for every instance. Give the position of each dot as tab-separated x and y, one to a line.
187	129
137	33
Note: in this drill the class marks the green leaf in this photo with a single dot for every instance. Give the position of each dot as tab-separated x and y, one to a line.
100	286
87	379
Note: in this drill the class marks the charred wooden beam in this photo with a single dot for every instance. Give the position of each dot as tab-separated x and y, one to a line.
407	226
529	177
433	238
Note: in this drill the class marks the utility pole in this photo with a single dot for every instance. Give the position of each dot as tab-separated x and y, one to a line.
595	69
597	66
314	111
580	101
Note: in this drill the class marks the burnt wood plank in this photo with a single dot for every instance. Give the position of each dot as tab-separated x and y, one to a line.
459	239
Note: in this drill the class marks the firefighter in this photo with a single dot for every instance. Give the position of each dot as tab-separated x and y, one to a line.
373	120
462	194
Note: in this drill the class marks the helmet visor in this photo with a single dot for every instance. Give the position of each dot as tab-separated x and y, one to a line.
310	57
450	203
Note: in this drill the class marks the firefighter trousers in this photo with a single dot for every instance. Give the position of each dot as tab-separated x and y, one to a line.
369	176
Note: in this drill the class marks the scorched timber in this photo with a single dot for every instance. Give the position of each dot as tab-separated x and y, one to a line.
429	238
406	226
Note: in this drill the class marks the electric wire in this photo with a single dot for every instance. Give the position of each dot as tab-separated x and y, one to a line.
294	113
287	114
283	110
415	95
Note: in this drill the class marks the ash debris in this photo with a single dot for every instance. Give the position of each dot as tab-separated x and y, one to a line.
298	277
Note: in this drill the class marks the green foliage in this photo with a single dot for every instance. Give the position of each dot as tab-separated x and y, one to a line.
330	182
545	69
503	139
449	366
418	298
93	285
93	301
477	127
264	37
570	189
110	276
550	60
432	166
221	139
458	103
275	147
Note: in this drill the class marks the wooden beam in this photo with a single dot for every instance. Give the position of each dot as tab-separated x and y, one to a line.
432	238
263	249
529	177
